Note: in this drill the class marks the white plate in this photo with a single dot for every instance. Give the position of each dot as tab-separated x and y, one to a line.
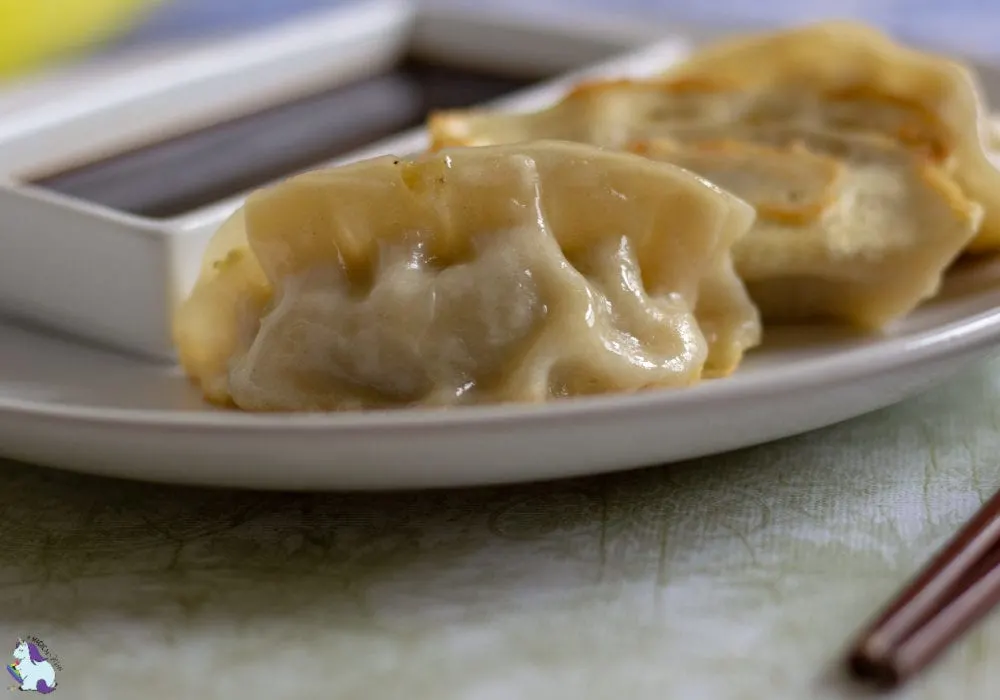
85	409
77	407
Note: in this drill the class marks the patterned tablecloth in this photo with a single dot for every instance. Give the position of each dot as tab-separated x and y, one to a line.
730	578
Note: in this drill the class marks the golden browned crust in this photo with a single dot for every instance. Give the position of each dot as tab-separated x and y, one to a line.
786	213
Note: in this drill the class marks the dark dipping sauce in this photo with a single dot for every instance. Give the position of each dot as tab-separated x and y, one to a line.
179	174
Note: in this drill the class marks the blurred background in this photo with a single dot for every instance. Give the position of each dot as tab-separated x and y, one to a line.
38	34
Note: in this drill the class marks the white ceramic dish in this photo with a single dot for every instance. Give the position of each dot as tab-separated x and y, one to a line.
80	407
115	277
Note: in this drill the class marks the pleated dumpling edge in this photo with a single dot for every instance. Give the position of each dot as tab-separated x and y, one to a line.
928	101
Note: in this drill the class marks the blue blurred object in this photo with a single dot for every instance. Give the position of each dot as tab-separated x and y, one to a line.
967	25
185	19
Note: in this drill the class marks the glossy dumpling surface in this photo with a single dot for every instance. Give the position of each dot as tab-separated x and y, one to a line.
518	273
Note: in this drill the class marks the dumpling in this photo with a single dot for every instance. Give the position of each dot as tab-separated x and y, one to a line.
854	228
836	77
517	273
847	77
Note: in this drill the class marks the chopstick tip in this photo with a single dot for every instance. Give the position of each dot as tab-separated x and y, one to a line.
877	671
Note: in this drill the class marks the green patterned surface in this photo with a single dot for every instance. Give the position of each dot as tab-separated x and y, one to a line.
730	578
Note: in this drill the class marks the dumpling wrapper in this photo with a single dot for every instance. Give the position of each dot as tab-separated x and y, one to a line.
839	77
515	273
855	228
858	79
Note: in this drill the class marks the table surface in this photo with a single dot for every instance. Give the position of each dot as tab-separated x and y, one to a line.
728	578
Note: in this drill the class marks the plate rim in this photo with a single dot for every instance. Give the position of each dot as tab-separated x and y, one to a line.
953	337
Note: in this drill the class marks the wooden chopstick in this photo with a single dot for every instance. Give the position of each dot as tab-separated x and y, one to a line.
955	590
